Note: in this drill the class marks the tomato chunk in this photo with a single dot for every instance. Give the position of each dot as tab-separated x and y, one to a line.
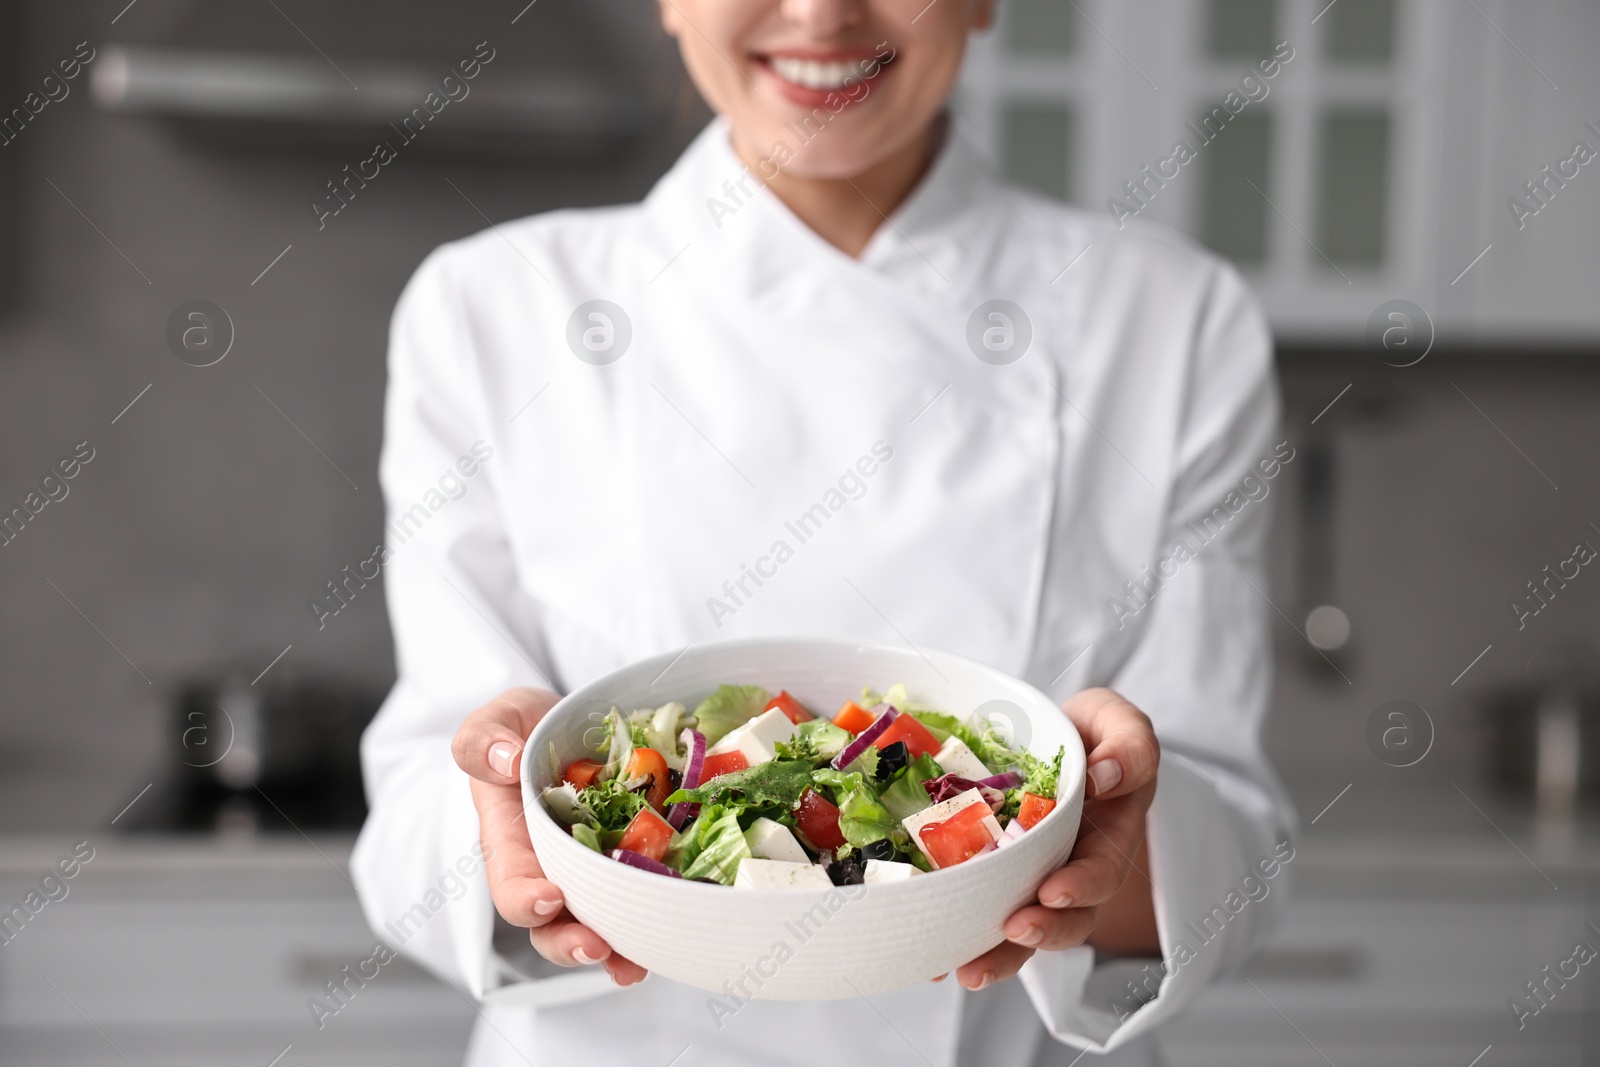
818	820
582	773
958	838
1034	808
853	717
722	763
919	740
648	835
649	762
789	706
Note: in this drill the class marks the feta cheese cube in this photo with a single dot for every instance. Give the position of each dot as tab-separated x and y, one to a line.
880	872
757	739
946	809
770	840
956	758
780	874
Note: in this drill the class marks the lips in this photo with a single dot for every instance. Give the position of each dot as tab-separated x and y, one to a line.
809	79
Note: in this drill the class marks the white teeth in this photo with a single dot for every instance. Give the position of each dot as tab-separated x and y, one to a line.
814	75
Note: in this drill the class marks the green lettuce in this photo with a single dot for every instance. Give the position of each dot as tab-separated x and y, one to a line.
729	707
774	784
585	836
905	796
659	729
613	806
814	741
862	819
712	847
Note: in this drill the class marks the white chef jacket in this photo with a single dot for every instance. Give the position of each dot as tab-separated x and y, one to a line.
751	368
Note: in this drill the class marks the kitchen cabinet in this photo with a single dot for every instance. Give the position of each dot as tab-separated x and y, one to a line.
1376	162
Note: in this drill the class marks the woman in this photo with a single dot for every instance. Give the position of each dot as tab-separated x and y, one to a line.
832	377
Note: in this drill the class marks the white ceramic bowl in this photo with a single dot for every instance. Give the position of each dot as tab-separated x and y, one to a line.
803	944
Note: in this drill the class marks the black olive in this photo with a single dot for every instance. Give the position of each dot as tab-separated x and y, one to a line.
878	850
847	872
891	758
676	779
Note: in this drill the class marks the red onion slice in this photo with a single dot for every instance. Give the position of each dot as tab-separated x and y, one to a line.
865	738
693	766
630	858
1003	782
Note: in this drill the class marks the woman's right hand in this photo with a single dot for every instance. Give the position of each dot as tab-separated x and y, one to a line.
489	748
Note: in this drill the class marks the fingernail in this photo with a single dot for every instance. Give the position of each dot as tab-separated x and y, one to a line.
1105	775
583	957
941	978
547	907
983	983
502	758
1030	936
1057	902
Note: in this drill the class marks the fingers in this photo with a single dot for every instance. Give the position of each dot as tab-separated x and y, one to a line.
521	893
1122	750
1051	929
999	963
624	971
1104	855
488	746
566	941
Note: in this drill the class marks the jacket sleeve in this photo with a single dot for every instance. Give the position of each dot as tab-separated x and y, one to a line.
1219	830
464	630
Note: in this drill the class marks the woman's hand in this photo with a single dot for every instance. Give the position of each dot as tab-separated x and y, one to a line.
1093	898
489	748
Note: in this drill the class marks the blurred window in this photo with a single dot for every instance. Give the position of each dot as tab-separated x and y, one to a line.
1036	145
1040	26
1353	158
1361	31
1240	29
1234	216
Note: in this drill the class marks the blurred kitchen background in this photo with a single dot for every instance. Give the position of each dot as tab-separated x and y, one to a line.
1441	367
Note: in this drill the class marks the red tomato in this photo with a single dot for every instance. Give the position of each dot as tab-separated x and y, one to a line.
919	742
790	707
818	820
958	838
582	773
647	761
1033	809
722	763
648	835
853	717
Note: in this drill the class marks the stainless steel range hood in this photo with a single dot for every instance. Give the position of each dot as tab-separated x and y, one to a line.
271	101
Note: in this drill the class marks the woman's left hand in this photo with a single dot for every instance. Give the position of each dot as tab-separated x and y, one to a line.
1093	889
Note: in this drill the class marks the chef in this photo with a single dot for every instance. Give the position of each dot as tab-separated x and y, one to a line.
832	377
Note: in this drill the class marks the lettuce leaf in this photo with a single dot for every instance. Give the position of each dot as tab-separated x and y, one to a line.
862	819
585	836
658	729
728	707
905	796
613	806
774	784
617	737
815	741
712	847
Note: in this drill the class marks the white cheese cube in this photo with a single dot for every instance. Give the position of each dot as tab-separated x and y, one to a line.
757	739
780	874
946	809
956	758
770	840
562	800
880	872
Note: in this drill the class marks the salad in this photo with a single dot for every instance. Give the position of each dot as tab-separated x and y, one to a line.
753	791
